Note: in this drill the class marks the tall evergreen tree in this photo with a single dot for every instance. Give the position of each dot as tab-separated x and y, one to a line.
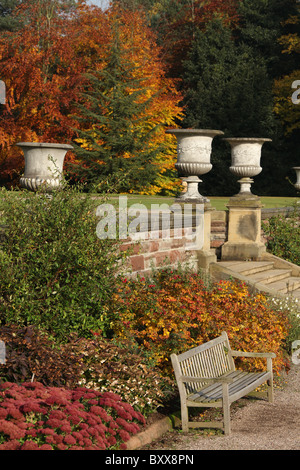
261	24
264	25
8	22
226	88
115	131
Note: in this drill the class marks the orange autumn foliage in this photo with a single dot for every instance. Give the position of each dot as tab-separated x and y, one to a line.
142	50
42	76
175	312
43	66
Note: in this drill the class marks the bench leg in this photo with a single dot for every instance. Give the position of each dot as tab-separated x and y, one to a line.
226	410
270	391
270	381
184	417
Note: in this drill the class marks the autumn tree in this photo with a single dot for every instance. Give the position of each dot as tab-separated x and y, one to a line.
115	131
12	17
123	114
175	23
42	65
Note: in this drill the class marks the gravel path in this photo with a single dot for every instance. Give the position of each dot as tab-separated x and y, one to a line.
257	426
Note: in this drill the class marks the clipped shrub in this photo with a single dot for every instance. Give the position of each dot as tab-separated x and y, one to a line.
54	271
174	311
34	417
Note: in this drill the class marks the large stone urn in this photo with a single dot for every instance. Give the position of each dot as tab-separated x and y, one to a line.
194	148
245	160
193	159
297	184
43	164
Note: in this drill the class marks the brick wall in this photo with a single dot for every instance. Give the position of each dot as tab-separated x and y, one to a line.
158	252
219	221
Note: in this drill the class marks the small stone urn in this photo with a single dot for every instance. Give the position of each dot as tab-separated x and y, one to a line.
43	164
297	170
245	160
193	159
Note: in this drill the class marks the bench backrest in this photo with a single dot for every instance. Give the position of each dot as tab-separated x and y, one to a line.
211	359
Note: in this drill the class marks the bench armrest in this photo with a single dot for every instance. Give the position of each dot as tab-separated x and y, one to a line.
186	378
252	354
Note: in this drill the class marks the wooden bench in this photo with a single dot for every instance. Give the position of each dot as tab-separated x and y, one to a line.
206	377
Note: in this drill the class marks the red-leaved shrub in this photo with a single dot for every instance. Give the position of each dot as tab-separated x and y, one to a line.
35	417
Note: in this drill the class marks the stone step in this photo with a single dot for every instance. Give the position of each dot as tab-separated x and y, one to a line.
290	284
261	273
247	267
271	275
296	293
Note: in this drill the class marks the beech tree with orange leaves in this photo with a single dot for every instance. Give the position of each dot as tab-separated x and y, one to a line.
42	72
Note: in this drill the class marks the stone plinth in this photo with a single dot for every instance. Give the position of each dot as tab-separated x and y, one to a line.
205	255
244	229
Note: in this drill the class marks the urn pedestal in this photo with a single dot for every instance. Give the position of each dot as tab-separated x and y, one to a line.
244	218
244	230
43	165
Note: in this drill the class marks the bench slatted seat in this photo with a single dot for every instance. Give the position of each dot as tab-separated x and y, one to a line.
206	377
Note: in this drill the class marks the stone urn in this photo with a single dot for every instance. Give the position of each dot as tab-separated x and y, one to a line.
43	164
297	170
193	159
245	160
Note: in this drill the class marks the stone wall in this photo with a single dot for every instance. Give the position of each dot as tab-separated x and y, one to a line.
219	224
160	252
145	255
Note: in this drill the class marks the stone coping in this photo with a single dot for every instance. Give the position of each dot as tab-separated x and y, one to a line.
273	211
153	431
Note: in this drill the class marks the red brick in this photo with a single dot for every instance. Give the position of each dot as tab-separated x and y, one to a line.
216	243
162	258
154	246
137	262
178	242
